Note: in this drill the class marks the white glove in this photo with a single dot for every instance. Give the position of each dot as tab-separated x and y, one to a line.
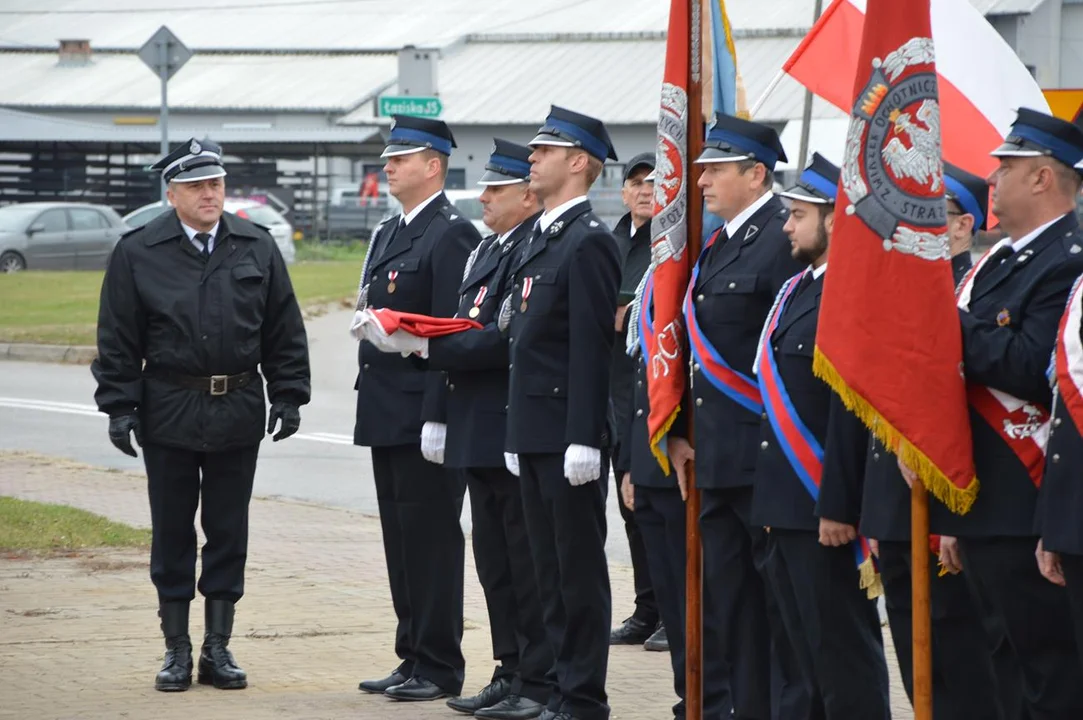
511	462
400	341
582	464
357	326
433	439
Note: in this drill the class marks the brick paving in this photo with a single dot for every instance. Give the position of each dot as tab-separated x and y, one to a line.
79	638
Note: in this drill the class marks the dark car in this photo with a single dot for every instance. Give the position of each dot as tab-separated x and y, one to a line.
57	236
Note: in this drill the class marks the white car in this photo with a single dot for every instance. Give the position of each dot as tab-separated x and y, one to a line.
256	212
468	204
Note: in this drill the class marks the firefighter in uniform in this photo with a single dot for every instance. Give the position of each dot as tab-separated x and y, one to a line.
734	284
1009	309
476	362
415	264
191	305
832	623
560	326
964	684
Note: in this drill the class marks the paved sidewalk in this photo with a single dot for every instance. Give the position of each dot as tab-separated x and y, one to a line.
80	638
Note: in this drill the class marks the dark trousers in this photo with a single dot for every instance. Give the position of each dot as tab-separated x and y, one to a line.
420	505
176	479
660	516
506	572
1072	566
749	666
567	529
964	681
1036	616
833	626
646	609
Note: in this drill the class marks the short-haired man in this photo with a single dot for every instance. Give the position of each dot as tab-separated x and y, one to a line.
560	322
831	622
415	264
633	235
192	304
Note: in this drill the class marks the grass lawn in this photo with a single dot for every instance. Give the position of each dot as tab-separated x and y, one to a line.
37	526
61	308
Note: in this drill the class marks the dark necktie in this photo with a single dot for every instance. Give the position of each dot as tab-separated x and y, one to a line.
803	284
994	262
383	246
205	238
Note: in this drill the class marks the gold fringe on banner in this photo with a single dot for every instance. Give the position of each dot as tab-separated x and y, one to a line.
656	441
958	500
870	578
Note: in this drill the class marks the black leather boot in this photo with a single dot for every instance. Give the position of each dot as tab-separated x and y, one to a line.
176	672
216	664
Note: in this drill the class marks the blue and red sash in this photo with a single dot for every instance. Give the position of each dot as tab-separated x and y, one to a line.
735	385
800	446
646	318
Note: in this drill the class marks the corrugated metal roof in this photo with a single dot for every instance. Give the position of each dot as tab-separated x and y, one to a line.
1006	7
113	80
616	80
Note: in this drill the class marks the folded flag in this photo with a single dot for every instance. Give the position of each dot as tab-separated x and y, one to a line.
390	321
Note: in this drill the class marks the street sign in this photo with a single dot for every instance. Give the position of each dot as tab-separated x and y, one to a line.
404	105
164	51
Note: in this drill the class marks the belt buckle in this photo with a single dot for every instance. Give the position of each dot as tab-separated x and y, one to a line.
219	384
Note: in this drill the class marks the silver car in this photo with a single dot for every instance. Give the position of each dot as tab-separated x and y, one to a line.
57	236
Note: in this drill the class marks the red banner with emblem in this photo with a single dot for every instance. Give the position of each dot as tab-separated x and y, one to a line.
889	341
665	359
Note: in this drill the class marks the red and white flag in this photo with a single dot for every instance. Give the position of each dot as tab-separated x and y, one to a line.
981	80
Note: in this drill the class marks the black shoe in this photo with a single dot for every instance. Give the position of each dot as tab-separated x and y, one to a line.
377	687
416	688
216	664
176	672
513	707
490	695
632	632
657	642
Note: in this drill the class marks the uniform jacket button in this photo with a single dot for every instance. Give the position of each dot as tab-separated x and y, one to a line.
800	346
1056	458
556	390
365	366
639	413
639	383
732	285
1056	422
699	298
695	367
451	387
763	416
764	445
876	456
699	401
511	365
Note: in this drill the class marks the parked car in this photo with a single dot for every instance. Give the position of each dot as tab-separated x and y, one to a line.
57	236
470	206
280	228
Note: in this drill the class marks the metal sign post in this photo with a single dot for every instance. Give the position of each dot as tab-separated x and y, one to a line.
165	54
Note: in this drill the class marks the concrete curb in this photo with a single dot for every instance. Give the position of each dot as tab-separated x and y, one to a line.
26	352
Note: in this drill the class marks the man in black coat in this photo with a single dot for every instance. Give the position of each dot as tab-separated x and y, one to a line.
560	329
415	264
476	363
1009	310
633	235
964	682
736	279
191	305
830	619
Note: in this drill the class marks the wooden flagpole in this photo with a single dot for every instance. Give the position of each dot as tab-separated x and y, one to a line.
693	548
921	622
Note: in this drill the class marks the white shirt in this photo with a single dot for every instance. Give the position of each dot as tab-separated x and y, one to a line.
192	232
743	217
550	216
502	238
1030	237
817	273
409	217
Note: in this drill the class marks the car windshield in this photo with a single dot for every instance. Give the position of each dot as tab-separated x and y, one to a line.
470	207
141	217
15	218
261	214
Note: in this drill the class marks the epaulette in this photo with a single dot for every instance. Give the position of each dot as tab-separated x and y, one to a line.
1073	242
452	213
592	221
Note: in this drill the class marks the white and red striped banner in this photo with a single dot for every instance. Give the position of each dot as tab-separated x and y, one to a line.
1069	357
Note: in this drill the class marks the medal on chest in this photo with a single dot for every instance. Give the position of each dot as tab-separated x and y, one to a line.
528	284
478	300
391	281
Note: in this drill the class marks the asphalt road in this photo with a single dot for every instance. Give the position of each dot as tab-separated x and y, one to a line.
50	409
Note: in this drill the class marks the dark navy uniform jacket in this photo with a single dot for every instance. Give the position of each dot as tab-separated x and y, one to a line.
476	361
885	498
780	499
394	395
560	344
1060	503
1028	293
162	303
737	285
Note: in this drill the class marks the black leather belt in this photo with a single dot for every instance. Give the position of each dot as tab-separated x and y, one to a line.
215	384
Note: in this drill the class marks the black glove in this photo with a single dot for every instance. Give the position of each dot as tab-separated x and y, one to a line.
290	417
120	429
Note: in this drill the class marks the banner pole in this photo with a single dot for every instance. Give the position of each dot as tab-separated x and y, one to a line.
920	618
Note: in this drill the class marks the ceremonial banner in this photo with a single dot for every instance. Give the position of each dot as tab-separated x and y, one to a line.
1068	357
889	341
981	80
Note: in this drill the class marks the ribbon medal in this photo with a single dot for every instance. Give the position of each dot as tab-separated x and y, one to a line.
528	283
478	300
391	281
